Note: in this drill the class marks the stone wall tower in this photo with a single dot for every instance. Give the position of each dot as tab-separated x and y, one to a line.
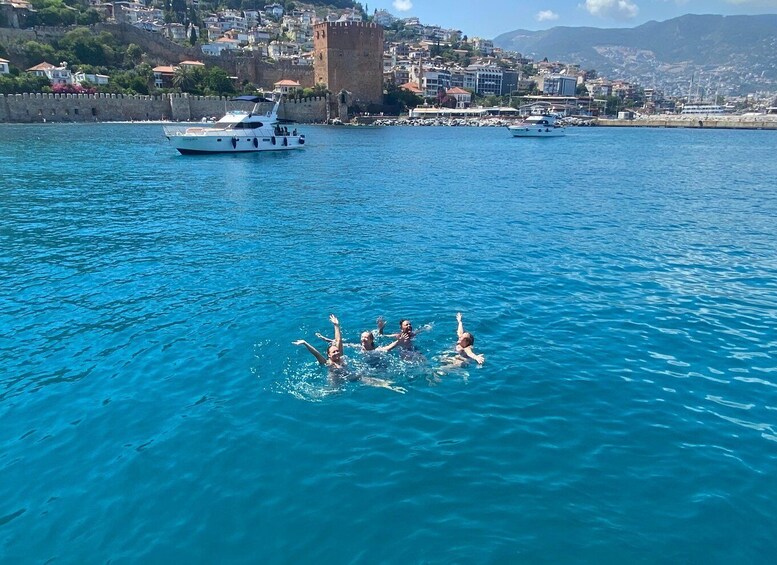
349	56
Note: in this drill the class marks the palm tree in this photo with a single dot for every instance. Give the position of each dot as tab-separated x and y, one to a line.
183	79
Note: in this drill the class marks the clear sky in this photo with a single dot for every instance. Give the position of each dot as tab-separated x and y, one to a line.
489	18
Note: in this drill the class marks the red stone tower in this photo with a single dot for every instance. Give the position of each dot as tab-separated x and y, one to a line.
349	56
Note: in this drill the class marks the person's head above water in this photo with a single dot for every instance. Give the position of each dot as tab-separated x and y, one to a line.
405	326
466	340
367	340
333	351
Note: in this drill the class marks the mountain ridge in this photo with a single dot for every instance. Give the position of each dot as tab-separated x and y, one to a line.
737	53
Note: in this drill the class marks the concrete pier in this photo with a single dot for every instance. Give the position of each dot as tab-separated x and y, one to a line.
701	121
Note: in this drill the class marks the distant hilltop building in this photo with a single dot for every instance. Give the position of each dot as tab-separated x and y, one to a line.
349	56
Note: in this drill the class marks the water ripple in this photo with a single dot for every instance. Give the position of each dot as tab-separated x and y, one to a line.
625	307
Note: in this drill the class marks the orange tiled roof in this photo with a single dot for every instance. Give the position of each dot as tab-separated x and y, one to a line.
164	69
286	82
457	90
44	66
412	87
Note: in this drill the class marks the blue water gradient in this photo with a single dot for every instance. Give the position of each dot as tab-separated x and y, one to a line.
622	285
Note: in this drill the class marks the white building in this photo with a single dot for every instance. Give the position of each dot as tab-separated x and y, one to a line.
383	18
220	45
434	81
4	68
705	109
98	80
485	46
282	50
275	10
463	97
286	86
176	32
485	80
252	17
56	75
558	85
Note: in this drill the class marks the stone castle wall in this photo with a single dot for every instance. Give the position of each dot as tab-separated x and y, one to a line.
349	56
37	108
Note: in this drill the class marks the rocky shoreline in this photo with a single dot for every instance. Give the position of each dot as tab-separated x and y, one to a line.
756	121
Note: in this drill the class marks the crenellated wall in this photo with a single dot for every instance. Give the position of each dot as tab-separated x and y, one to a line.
31	108
37	108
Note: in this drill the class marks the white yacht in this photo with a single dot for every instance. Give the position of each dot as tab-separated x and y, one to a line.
537	126
237	132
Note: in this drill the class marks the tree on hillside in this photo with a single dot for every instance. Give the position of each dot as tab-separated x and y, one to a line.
183	79
179	8
25	82
35	52
54	13
88	17
395	96
82	46
218	82
193	36
133	55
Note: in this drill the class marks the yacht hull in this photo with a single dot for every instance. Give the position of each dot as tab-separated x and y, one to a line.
194	144
535	131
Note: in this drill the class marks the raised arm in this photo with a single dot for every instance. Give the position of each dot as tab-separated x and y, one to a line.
381	326
460	329
324	338
338	339
388	347
313	351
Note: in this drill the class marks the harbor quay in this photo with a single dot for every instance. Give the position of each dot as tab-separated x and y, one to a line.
699	121
58	108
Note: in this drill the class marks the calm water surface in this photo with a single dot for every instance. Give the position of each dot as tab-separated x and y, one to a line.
621	284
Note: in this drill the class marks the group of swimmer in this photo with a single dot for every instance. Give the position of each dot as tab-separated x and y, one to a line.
335	360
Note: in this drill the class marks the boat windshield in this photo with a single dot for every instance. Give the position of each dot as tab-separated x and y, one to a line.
246	125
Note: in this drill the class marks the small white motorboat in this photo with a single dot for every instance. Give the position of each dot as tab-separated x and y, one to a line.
537	126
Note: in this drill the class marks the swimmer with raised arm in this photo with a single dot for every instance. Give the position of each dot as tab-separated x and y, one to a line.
406	332
367	340
334	359
464	352
336	362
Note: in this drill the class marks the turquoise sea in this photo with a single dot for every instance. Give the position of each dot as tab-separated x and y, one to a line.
621	283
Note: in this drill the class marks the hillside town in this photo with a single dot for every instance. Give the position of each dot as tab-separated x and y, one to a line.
424	68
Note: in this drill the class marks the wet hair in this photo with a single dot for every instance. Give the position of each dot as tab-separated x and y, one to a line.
470	337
